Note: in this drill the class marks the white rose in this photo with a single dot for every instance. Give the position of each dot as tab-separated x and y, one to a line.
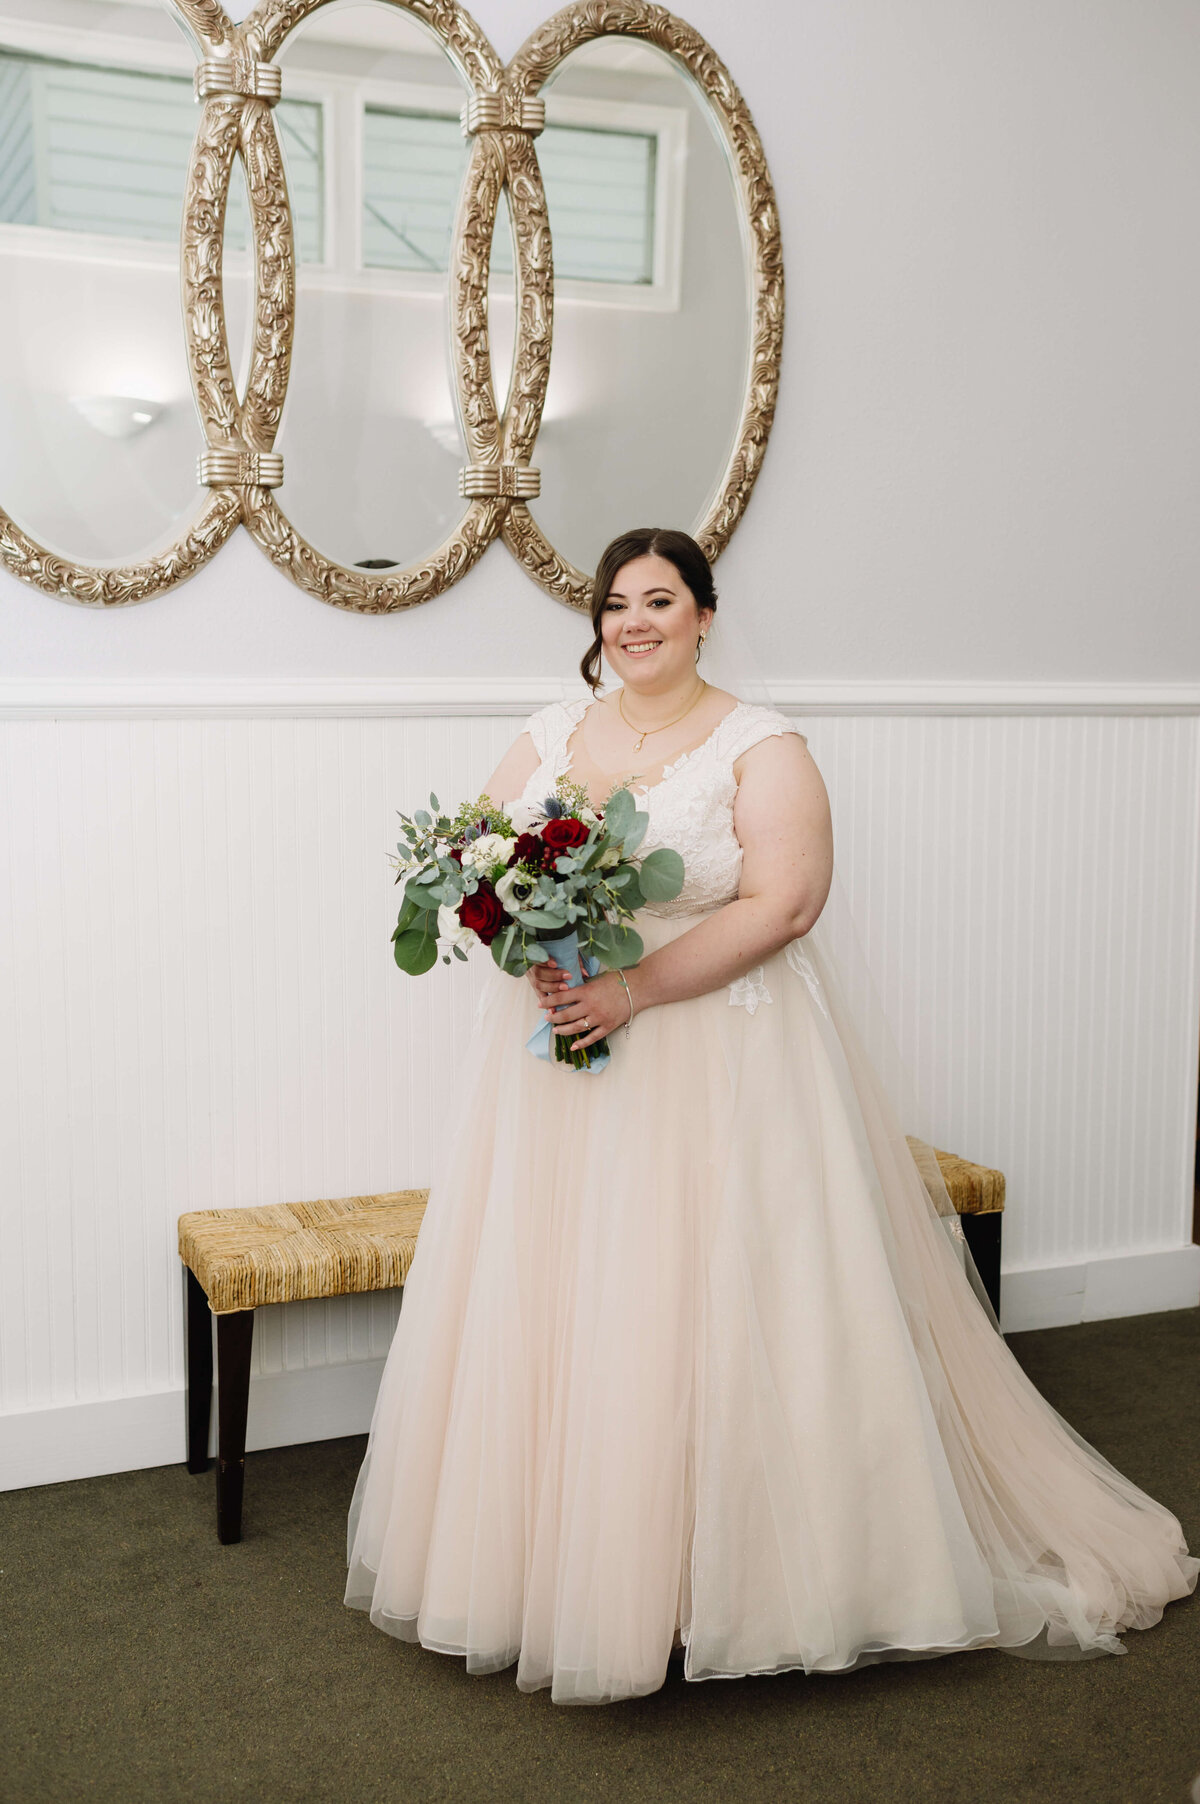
451	931
488	849
608	859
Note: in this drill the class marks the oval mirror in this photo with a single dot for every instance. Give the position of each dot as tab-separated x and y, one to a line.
375	159
663	293
99	438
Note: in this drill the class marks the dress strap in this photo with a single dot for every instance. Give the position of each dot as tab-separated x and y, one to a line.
751	724
550	728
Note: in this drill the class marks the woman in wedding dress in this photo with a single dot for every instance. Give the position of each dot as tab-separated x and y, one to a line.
690	1358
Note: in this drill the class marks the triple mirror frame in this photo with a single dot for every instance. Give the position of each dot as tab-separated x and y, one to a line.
237	84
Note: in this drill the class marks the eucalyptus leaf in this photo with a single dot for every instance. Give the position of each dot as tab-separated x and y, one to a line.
661	874
618	816
422	819
409	912
420	895
631	892
604	940
629	947
459	953
543	919
416	952
636	833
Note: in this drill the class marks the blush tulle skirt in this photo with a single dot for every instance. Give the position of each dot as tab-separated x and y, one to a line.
688	1359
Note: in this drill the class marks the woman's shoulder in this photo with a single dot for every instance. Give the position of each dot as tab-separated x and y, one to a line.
750	723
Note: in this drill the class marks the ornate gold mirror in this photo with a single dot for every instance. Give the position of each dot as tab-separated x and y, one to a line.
426	300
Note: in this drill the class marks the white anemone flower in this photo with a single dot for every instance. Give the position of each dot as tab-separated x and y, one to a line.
507	888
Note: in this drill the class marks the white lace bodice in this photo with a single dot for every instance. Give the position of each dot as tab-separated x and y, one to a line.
691	805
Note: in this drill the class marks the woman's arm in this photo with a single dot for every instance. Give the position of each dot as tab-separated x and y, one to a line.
513	771
781	816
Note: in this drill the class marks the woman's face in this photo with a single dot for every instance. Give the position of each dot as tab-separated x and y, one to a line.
649	625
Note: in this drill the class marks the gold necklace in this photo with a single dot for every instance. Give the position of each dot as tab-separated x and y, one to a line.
665	724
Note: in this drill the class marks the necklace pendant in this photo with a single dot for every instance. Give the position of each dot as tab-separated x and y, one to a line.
641	742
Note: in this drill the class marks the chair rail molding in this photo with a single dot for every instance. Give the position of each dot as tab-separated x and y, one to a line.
32	698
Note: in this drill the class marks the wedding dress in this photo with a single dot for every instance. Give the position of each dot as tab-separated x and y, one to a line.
688	1358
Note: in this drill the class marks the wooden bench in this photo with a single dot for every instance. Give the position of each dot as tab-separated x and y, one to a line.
238	1260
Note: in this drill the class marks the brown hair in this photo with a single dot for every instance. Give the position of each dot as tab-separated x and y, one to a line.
679	548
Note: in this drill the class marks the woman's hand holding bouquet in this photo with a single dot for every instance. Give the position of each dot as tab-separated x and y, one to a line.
552	885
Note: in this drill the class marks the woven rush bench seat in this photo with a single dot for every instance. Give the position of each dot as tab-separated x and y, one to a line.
285	1252
237	1260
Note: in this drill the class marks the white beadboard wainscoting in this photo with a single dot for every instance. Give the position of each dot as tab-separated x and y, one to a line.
201	1011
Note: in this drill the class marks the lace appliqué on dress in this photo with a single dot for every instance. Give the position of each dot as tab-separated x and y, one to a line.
802	965
748	991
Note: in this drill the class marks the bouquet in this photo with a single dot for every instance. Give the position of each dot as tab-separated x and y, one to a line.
558	879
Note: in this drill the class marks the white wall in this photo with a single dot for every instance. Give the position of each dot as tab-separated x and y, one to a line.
979	493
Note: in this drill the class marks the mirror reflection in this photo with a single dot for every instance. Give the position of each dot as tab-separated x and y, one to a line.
652	299
371	447
98	435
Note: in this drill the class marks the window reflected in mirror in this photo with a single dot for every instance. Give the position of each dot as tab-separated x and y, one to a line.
99	437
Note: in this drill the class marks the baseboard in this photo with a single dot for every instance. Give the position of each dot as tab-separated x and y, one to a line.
125	1434
1097	1290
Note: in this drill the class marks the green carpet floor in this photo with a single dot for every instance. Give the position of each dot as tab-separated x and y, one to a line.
140	1660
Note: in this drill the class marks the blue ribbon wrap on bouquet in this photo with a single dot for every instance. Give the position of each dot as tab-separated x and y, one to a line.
565	952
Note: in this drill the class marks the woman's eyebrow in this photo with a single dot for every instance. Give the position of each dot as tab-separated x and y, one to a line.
658	589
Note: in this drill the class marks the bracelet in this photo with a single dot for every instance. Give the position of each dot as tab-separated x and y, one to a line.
629	993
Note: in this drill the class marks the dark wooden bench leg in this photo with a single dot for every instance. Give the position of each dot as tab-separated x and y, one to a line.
198	1375
983	1239
235	1336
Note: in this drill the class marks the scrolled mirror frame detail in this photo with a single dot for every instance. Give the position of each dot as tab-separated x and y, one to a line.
535	62
237	85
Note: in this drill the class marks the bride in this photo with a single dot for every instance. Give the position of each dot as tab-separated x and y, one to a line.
689	1358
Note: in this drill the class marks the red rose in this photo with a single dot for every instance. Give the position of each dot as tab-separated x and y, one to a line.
530	850
456	854
483	912
564	832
